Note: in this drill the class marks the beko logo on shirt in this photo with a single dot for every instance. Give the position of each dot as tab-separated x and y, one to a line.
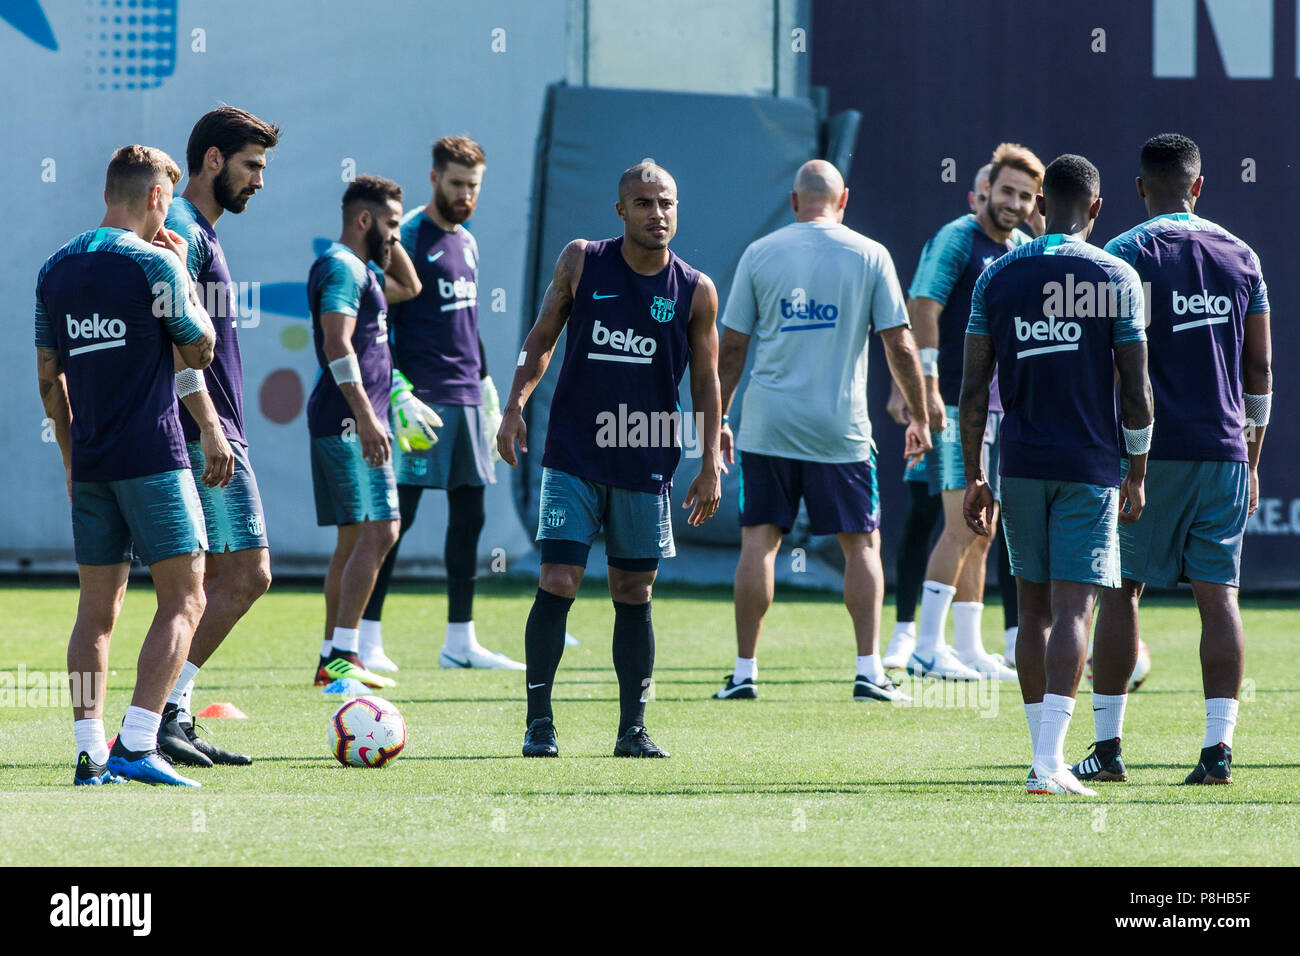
638	348
1048	330
462	293
109	333
1213	309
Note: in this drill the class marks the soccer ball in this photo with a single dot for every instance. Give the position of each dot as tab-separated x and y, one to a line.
367	732
1140	670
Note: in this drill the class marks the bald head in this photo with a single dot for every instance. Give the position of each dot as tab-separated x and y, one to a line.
818	179
979	191
647	172
818	192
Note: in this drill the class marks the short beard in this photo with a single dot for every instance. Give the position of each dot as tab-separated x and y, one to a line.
223	192
449	212
378	251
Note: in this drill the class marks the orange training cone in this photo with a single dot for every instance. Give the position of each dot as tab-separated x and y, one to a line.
222	710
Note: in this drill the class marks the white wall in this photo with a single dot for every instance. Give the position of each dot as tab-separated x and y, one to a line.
372	83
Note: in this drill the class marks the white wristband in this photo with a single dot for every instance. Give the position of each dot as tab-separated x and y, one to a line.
346	369
189	381
1258	409
930	363
1138	440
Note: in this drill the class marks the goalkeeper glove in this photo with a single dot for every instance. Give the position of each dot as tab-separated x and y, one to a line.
413	421
491	416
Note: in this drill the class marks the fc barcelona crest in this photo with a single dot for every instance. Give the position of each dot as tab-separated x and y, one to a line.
661	310
554	517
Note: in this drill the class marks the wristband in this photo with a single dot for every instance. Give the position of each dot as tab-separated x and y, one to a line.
1258	409
930	363
346	369
726	419
1138	440
189	381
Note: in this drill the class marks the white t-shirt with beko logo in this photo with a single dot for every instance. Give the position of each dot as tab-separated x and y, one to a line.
808	294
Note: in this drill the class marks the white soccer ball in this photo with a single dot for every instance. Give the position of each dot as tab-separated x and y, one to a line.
367	732
1140	670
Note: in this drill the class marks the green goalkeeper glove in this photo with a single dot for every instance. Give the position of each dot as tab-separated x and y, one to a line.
413	421
491	416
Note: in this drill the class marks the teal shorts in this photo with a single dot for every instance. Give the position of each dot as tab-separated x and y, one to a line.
349	490
460	457
151	517
1192	526
233	514
1061	531
638	525
943	463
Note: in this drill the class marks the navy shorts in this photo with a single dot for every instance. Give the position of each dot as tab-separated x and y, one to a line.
234	513
840	497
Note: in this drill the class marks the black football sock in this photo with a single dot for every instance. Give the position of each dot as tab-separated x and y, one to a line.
464	525
408	501
634	661
543	648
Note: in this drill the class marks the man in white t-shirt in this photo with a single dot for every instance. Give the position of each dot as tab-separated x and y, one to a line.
807	295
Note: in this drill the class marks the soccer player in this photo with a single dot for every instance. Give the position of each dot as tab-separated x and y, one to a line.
437	348
637	314
923	507
807	295
351	457
1212	380
110	305
1057	310
940	293
226	154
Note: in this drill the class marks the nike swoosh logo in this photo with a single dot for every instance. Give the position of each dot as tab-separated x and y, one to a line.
435	256
361	752
664	542
535	686
597	295
934	590
456	662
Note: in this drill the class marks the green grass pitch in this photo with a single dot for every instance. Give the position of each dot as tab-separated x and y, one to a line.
802	776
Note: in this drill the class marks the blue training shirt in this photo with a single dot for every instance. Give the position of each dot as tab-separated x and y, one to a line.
1055	309
950	264
211	276
112	305
1203	281
340	282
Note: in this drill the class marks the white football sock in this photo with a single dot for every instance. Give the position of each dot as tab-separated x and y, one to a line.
935	598
905	629
966	629
347	640
1108	715
869	666
461	638
372	636
1009	644
89	734
1220	720
140	729
1049	751
746	669
184	684
1034	716
327	647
